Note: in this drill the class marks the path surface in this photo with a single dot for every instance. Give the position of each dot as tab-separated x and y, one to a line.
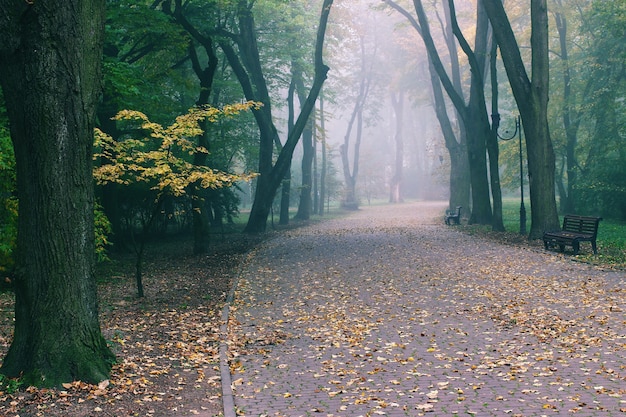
389	312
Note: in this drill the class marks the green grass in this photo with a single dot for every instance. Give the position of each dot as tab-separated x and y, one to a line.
611	236
611	244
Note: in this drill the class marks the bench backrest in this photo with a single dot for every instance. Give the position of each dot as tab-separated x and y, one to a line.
581	224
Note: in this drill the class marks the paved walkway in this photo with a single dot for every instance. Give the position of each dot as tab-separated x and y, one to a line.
389	312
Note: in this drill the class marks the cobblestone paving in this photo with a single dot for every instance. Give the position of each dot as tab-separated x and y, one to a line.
389	312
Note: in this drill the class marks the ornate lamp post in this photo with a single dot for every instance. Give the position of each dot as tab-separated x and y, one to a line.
518	131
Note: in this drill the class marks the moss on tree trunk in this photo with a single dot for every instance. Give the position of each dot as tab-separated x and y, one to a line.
50	69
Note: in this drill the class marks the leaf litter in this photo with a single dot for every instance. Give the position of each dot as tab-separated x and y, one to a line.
166	344
363	317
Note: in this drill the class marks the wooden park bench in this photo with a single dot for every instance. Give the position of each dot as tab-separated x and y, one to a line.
453	215
575	229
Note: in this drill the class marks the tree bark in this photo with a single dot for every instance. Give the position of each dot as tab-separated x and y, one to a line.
531	97
350	200
475	118
460	184
285	198
285	188
492	144
50	70
200	205
315	169
305	206
457	150
324	168
395	191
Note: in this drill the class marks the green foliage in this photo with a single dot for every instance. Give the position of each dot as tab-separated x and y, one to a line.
596	108
143	47
102	228
604	191
8	201
161	158
611	245
10	385
602	186
8	233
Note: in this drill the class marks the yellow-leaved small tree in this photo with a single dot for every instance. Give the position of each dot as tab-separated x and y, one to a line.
160	157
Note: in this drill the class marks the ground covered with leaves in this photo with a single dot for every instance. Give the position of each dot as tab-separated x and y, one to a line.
166	343
389	312
384	312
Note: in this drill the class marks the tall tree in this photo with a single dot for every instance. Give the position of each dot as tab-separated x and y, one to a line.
50	70
395	188
569	114
473	114
300	69
601	184
155	156
531	96
201	202
324	168
305	206
247	67
492	142
460	183
365	79
141	47
476	122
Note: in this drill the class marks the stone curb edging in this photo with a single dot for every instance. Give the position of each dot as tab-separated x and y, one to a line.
228	399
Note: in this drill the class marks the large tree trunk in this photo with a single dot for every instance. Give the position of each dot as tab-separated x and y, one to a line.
492	144
489	138
285	188
475	116
459	162
460	184
532	101
305	206
285	198
50	70
247	68
315	202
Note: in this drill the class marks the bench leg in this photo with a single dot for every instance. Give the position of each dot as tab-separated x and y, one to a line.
594	247
562	248
576	246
